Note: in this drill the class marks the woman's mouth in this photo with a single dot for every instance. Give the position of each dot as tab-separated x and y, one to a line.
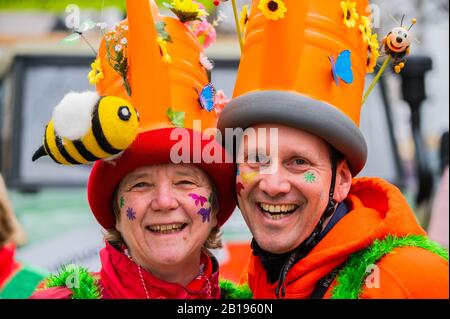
166	228
277	212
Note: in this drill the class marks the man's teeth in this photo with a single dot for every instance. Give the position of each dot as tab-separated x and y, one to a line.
278	208
165	229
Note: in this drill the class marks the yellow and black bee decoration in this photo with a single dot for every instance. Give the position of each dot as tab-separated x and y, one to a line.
397	44
86	127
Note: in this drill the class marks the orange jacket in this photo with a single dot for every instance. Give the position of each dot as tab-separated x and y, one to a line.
376	209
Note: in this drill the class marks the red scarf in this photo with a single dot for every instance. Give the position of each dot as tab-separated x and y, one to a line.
120	279
8	266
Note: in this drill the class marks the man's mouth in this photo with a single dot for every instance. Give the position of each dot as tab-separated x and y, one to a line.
166	228
277	212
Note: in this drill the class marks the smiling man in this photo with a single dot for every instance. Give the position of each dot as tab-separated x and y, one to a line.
318	232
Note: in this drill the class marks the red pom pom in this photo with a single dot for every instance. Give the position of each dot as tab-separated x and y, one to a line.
216	2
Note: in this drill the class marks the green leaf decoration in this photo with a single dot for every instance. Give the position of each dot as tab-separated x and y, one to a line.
87	25
161	29
176	118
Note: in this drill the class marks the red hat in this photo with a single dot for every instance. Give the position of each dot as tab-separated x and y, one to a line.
165	77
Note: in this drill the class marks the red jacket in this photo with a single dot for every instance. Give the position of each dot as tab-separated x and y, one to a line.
119	278
377	209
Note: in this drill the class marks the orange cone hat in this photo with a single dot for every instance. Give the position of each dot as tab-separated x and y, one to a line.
304	65
154	62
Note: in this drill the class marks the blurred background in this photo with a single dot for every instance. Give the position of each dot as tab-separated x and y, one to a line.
405	120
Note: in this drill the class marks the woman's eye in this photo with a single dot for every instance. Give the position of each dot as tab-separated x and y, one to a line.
141	185
184	182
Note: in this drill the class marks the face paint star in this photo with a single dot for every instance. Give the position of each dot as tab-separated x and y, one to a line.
121	202
249	177
131	214
310	177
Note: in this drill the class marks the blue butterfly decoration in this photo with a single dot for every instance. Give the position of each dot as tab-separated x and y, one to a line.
206	97
342	68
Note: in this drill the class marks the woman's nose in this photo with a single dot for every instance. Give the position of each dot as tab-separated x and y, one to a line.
163	199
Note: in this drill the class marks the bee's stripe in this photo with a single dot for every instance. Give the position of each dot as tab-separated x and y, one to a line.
64	152
84	151
47	148
99	135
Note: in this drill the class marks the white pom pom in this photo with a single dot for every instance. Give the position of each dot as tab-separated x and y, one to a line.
72	116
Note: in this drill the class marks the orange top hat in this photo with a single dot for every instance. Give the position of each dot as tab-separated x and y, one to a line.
304	65
154	63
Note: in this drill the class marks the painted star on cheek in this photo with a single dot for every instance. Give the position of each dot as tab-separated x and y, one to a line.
239	188
310	177
131	214
121	202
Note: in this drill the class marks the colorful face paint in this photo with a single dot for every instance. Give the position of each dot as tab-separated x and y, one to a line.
131	214
309	177
198	199
249	177
205	213
239	188
121	202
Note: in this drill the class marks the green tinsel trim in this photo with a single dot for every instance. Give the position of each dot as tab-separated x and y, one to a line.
350	279
85	284
230	290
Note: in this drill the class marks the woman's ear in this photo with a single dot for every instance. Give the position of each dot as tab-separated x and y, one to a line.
343	181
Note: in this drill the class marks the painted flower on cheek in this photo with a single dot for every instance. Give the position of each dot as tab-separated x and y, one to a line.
131	214
310	177
239	188
203	211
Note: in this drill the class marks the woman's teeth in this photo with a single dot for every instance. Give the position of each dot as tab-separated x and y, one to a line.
166	229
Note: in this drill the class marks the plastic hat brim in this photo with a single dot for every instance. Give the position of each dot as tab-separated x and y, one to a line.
151	148
302	112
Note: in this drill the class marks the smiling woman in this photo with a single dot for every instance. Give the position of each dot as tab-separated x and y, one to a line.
160	218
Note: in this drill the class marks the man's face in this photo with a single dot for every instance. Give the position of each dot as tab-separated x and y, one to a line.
283	207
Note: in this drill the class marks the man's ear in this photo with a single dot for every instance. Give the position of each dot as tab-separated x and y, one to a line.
343	181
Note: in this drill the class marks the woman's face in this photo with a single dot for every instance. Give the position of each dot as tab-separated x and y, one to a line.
165	214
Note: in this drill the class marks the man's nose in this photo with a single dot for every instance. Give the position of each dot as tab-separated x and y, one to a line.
274	184
163	199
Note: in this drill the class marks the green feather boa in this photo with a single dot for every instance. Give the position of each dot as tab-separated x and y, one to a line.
78	279
230	290
351	278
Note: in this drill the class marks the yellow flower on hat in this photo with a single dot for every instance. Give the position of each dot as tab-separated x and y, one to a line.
187	10
350	14
374	53
96	74
244	18
165	53
366	29
272	9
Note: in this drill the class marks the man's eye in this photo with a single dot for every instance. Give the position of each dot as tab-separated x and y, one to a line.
259	159
300	161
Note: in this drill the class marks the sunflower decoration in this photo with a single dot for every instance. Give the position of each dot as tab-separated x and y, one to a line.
272	9
350	14
187	10
373	53
163	48
366	29
244	18
117	52
96	74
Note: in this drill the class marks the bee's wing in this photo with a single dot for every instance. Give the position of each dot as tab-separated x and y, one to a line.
72	117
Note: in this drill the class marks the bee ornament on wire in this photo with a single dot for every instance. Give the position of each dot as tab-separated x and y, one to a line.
397	44
86	127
